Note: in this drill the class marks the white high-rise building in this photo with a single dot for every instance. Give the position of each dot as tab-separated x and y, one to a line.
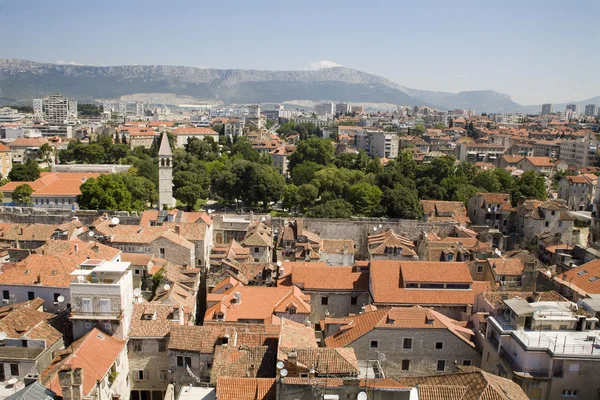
122	108
107	107
547	109
253	111
342	108
72	111
56	109
38	108
327	108
139	109
574	108
591	110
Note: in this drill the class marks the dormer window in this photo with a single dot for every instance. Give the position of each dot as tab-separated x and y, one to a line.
220	317
291	310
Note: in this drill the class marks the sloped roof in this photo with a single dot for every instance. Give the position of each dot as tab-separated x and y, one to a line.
325	360
201	339
329	278
389	239
243	361
159	326
234	388
84	354
165	147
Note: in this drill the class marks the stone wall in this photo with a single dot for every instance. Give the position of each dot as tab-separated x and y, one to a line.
358	229
338	304
32	215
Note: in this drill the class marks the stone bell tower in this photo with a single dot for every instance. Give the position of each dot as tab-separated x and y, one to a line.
165	174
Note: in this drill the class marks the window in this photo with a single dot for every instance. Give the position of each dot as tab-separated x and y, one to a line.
574	367
439	345
441	366
405	365
353	300
467	363
141	375
303	375
87	325
407	343
86	305
107	327
136	271
179	361
105	305
137	345
161	252
30	295
56	296
324	300
14	369
188	361
291	310
162	345
570	393
374	344
5	295
547	223
163	375
479	269
256	249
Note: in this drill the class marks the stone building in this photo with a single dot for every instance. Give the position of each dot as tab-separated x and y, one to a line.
406	341
578	191
334	291
165	174
491	209
391	246
534	217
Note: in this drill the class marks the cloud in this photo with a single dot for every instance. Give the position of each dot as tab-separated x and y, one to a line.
313	66
62	62
459	76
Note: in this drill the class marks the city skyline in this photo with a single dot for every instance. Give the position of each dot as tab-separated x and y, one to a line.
518	49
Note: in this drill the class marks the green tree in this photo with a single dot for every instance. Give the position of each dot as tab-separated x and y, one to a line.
117	152
105	193
90	154
28	172
290	197
488	181
418	130
331	209
46	154
307	195
190	194
22	194
530	185
313	149
304	172
401	202
364	197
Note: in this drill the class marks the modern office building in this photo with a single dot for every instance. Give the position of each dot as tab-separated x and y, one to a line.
327	108
56	109
342	108
574	108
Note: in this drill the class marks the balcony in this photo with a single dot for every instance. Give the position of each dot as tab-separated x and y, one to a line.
97	315
531	373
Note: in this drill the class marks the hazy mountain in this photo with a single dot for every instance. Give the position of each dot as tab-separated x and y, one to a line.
21	81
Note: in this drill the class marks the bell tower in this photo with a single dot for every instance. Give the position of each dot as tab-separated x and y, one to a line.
165	174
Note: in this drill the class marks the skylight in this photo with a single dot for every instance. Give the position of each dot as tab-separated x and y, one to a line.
580	273
594	279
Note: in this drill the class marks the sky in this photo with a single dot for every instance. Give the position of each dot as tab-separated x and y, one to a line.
536	51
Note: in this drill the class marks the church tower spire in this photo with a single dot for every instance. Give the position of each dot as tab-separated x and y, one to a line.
165	174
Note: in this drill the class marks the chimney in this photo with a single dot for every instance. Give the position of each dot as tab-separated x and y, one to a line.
30	378
178	229
75	247
77	384
71	383
293	357
536	296
21	231
311	373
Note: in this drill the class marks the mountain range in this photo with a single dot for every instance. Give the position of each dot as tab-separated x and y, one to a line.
22	80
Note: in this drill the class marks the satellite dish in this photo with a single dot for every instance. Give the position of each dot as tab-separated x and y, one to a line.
263	219
380	226
115	221
279	263
2	335
137	292
280	365
362	396
167	286
12	381
91	233
283	373
374	229
381	357
60	298
237	296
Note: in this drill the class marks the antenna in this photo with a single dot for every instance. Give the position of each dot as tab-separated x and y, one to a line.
60	298
137	292
280	365
283	373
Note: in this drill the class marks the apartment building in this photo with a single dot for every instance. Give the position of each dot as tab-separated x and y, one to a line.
578	191
183	134
101	294
591	110
383	144
534	217
580	152
547	109
334	291
479	152
326	108
407	341
491	209
547	347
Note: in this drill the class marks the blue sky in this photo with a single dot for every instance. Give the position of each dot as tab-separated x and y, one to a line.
536	51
